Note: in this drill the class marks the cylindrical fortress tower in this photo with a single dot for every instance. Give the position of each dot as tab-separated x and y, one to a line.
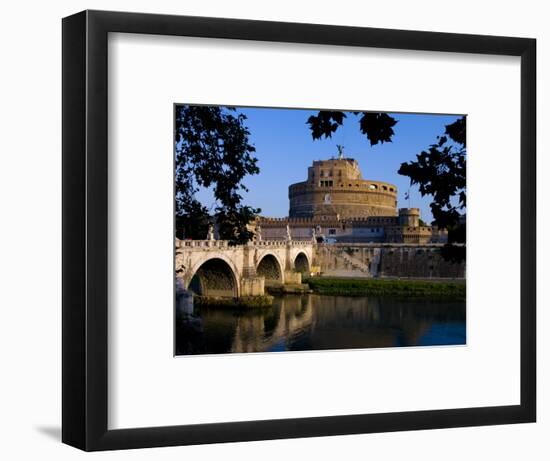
409	217
336	187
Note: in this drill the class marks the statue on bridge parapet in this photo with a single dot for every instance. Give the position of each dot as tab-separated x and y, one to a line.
211	233
288	236
258	233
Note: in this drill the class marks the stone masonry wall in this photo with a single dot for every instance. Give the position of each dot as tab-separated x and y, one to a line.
422	262
388	260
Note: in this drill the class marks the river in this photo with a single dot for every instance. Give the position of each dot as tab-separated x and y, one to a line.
321	322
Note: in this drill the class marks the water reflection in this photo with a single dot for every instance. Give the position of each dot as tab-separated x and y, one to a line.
317	322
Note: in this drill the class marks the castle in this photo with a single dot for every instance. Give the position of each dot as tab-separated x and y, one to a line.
336	204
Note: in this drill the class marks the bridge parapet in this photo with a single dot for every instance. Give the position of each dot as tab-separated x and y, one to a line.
269	243
201	243
303	243
282	242
224	244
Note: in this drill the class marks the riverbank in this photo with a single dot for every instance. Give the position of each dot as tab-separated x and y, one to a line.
243	302
288	288
396	288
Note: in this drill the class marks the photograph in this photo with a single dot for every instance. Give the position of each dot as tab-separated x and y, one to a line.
293	230
315	229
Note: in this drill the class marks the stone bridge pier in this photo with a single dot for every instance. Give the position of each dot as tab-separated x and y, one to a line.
214	268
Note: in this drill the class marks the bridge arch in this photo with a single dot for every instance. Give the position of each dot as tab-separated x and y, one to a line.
215	276
301	262
271	268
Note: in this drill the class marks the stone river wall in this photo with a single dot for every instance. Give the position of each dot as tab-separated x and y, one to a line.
387	260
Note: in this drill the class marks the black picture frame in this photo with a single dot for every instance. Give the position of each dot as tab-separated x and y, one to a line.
85	219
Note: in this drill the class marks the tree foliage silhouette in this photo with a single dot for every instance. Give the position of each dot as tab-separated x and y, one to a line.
440	171
212	149
377	126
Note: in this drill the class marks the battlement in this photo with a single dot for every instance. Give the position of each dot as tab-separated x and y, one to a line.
343	185
405	229
373	221
296	221
359	221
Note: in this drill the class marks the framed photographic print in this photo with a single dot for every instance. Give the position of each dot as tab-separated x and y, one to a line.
276	230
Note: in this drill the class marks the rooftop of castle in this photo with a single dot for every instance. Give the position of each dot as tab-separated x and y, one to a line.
333	159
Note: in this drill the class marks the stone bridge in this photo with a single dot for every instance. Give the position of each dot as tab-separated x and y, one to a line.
214	268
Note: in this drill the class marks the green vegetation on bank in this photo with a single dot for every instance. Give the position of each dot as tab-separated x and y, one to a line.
455	290
243	302
284	288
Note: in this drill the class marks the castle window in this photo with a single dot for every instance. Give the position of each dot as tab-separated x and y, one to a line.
384	187
391	189
372	186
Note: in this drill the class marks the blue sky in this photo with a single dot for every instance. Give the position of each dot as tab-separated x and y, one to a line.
285	149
